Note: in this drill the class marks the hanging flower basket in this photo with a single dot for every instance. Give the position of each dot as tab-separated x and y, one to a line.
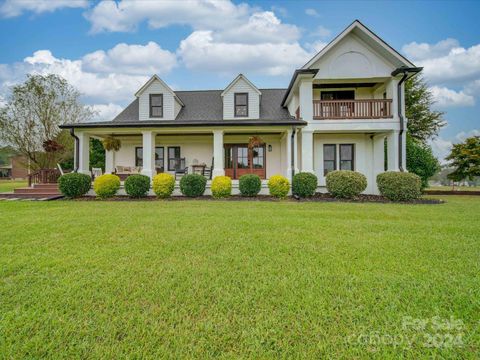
110	143
255	141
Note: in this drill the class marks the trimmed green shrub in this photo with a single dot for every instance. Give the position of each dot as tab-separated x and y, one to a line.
163	185
106	185
278	186
73	185
193	185
221	187
399	186
250	185
345	183
304	184
137	185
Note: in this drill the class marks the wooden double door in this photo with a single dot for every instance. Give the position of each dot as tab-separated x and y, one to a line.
240	160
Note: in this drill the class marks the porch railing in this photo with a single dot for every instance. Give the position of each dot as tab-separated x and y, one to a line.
44	176
352	109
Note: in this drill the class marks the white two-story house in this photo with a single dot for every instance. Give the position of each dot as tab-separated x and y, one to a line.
337	113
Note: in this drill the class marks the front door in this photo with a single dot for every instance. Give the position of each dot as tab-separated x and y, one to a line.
240	160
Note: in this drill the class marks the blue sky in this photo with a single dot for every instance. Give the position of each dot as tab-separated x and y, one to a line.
108	49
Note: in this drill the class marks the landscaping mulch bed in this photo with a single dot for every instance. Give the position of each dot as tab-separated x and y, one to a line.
319	197
451	192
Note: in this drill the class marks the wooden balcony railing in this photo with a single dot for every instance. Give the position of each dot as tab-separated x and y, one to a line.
352	109
44	176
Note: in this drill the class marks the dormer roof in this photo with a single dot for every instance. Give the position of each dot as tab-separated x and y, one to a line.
238	78
156	78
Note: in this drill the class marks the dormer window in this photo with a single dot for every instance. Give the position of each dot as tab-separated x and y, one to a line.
156	105
241	104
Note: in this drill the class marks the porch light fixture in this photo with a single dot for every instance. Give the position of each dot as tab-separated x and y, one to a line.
269	148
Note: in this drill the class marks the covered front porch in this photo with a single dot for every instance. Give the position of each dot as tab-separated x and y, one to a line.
210	152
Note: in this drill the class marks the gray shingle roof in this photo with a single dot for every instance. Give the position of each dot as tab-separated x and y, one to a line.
207	106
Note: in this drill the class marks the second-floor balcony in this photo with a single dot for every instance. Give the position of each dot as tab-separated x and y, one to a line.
352	109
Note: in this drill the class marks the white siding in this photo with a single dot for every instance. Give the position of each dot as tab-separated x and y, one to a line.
352	58
363	155
168	102
253	101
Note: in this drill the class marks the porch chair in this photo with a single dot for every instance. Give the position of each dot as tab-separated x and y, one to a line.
96	172
59	167
207	172
180	168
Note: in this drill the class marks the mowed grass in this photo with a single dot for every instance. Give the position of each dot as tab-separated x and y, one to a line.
10	185
205	279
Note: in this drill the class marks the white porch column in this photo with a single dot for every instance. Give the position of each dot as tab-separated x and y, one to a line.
288	154
148	167
307	151
295	152
392	151
109	162
218	169
378	161
306	99
392	93
84	153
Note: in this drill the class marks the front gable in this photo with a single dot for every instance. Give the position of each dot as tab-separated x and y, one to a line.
356	53
171	103
352	58
241	85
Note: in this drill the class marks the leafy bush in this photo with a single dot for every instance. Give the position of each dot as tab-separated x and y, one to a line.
137	185
250	185
221	186
278	186
163	185
106	185
345	183
304	184
399	186
193	185
421	161
73	185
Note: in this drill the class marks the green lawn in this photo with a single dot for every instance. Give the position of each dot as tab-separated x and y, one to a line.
9	185
208	279
457	188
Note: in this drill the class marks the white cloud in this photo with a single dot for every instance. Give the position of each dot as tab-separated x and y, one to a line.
201	51
446	61
312	12
261	27
131	59
441	148
421	51
12	8
226	37
321	31
445	97
126	15
106	112
462	136
103	77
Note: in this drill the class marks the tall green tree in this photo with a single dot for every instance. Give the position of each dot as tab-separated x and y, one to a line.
465	159
30	120
424	123
421	161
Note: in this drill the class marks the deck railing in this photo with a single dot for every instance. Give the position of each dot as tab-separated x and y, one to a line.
352	109
44	176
